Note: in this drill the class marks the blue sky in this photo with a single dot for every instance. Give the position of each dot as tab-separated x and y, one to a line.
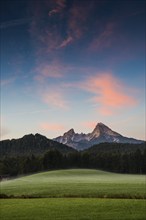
69	63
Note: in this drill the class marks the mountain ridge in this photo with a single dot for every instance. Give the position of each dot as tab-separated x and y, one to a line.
100	134
31	144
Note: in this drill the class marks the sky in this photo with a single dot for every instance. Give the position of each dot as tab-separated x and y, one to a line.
71	64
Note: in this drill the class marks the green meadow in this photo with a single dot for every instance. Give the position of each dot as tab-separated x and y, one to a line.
72	209
76	194
77	183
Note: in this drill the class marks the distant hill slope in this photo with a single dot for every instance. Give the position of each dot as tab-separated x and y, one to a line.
31	144
121	148
100	134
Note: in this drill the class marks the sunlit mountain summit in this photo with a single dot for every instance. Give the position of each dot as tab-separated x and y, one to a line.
100	134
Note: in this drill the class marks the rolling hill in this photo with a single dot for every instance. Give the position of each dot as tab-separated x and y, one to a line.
76	183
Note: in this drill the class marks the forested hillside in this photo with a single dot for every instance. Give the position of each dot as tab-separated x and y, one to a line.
29	145
122	158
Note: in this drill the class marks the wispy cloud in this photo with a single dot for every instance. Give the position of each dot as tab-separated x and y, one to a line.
14	23
45	35
66	42
52	70
59	5
51	127
54	97
77	22
109	93
104	39
49	37
77	18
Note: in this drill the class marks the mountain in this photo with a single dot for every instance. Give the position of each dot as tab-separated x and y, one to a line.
31	144
100	134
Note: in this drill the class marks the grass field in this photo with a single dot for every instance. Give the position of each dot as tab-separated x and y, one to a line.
77	194
77	183
72	209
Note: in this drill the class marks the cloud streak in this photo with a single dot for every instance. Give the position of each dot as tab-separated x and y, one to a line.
104	39
49	37
109	94
45	35
14	23
66	42
54	97
52	70
76	22
59	5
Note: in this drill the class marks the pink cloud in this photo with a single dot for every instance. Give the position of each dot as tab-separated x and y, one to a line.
59	5
46	38
51	127
54	97
77	21
50	40
76	27
66	42
52	70
78	17
109	93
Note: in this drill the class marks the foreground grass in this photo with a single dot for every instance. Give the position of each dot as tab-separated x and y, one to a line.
77	183
72	209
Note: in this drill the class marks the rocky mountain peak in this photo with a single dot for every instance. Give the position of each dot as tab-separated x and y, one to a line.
70	132
102	129
101	126
100	134
98	130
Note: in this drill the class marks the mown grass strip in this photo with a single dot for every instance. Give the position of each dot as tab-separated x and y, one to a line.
72	209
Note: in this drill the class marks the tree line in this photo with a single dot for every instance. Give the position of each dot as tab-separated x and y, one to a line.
132	162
